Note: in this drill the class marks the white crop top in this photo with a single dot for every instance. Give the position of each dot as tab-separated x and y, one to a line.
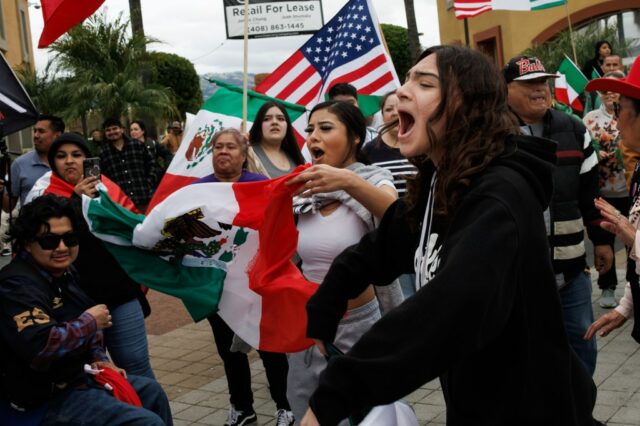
322	238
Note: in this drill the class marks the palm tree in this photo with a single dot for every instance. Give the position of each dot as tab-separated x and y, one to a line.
104	66
47	92
412	28
135	14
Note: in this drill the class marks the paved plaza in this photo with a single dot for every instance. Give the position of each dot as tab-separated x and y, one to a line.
187	365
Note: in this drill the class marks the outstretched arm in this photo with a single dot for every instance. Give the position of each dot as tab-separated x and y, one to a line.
432	330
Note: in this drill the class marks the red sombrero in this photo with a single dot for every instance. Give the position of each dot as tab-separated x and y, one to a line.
628	86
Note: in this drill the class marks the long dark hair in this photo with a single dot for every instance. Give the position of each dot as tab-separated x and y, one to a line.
289	143
599	44
353	120
142	126
477	121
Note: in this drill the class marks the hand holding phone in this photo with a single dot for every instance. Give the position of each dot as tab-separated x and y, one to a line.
91	167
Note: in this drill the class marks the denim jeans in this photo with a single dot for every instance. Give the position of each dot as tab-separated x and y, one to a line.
577	313
408	285
95	406
126	340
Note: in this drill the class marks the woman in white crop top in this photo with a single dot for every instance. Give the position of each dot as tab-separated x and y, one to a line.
340	201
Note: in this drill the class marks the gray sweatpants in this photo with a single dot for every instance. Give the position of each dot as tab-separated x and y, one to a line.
305	367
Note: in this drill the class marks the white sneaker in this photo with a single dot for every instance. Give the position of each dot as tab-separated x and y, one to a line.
608	299
284	418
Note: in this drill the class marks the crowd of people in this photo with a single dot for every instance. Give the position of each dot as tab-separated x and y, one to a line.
468	207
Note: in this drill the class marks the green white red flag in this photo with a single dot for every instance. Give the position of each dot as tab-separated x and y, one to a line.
50	183
219	247
223	109
570	84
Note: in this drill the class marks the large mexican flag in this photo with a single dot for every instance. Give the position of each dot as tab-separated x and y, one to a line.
224	109
219	247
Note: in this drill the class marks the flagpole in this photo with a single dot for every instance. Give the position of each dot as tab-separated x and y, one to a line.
245	70
573	42
466	32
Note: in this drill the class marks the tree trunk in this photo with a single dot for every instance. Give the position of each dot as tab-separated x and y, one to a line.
85	127
137	28
135	14
412	30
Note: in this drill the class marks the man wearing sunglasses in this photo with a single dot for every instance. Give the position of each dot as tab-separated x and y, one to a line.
50	331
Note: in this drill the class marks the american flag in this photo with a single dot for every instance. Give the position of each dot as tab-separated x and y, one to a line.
348	49
470	8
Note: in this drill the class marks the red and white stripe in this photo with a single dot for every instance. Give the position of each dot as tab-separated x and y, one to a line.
370	75
471	8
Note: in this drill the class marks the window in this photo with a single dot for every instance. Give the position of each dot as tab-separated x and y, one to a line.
489	42
24	34
3	37
628	26
20	142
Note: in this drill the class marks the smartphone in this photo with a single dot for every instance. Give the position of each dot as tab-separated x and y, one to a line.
91	167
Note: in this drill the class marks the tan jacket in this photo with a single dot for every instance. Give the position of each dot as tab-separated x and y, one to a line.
172	142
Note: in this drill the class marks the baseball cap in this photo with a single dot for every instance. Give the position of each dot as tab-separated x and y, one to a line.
525	68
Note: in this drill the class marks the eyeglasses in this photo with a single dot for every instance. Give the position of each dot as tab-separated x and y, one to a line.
616	109
52	241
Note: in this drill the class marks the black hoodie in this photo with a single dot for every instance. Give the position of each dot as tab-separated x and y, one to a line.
488	323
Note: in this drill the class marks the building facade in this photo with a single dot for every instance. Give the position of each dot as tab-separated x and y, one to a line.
16	46
504	34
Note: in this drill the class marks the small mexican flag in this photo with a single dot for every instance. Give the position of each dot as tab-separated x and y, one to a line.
220	247
570	84
224	109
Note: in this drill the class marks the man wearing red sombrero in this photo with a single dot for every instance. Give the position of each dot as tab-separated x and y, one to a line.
627	112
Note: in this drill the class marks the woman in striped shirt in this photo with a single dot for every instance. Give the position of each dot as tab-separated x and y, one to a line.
383	151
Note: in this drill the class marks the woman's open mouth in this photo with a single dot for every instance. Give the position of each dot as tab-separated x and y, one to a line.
406	123
316	154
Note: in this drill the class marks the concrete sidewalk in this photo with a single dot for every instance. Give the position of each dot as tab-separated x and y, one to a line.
186	364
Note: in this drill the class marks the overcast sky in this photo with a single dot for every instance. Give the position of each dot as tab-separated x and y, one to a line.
195	29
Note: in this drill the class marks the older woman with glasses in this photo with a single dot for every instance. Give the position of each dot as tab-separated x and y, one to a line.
602	125
627	113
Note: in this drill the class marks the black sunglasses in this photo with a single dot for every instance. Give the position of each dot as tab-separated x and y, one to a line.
616	109
52	241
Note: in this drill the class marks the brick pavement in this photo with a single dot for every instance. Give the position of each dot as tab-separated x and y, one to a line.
187	365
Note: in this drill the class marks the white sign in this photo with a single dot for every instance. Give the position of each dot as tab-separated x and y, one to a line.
273	18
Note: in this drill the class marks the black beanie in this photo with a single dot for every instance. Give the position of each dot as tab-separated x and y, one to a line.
64	138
